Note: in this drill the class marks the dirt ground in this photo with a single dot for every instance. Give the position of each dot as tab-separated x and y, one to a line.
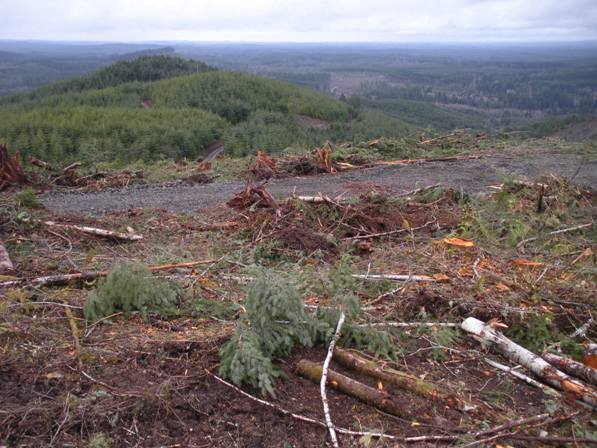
124	381
473	176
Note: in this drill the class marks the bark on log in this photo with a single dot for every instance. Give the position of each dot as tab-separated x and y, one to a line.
572	367
5	263
57	280
399	379
528	359
380	399
98	232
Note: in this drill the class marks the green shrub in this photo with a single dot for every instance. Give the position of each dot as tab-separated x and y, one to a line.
275	321
130	287
27	198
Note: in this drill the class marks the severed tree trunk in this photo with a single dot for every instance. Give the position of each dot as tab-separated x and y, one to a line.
5	263
398	379
11	171
378	398
528	359
98	232
572	367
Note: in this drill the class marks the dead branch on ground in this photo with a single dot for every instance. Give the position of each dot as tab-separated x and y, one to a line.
323	381
98	232
63	279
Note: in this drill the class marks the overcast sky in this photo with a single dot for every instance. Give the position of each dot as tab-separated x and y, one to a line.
299	20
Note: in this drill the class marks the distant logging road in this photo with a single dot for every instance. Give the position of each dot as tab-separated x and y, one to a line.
472	176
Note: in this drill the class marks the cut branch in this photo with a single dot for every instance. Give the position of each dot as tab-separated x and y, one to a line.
98	232
323	381
527	379
528	359
63	279
557	232
380	399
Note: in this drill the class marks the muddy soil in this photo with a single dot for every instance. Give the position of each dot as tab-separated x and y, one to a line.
473	176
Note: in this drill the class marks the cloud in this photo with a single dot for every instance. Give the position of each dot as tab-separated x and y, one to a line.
293	20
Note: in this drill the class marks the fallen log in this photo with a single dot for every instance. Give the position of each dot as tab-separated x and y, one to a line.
11	171
5	262
399	379
64	279
572	367
378	398
529	360
98	232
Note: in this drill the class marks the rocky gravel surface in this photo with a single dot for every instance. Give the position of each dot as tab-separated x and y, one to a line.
472	176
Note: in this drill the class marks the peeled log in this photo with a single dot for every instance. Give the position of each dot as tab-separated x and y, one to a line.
380	399
528	359
397	378
98	232
5	263
572	367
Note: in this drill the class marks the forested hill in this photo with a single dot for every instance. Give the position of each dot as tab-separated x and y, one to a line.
123	113
142	69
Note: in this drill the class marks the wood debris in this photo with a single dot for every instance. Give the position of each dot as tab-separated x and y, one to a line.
380	399
11	171
98	232
531	361
64	279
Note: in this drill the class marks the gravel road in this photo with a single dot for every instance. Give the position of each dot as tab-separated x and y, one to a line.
473	176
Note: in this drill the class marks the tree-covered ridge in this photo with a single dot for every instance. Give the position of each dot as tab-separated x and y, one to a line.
94	134
179	116
141	69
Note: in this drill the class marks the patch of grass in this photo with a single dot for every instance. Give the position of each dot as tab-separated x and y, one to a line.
27	198
539	332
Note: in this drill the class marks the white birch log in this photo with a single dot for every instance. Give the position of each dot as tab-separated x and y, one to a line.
532	362
5	262
572	367
98	232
